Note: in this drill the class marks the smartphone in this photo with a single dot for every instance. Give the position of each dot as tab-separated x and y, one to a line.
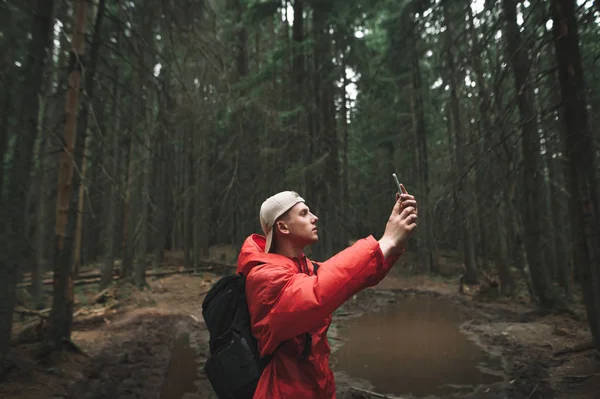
397	183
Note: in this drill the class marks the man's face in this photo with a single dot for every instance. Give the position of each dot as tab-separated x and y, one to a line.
299	225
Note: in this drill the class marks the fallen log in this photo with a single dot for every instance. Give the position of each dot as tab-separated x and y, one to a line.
101	294
48	275
576	349
91	274
214	263
87	311
374	394
41	313
88	275
97	279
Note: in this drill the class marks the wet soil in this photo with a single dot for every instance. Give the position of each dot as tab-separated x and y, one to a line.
414	346
155	344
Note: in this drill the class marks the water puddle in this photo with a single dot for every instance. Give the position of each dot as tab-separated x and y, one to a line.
182	371
414	346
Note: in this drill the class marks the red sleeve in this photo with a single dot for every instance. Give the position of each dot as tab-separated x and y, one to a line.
286	304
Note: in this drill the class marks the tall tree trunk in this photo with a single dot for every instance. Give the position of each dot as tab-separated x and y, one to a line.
140	269
160	191
127	240
7	74
485	108
113	171
462	186
521	65
12	205
326	177
298	100
61	315
80	205
203	228
187	220
82	127
425	241
44	183
242	128
579	151
162	182
144	192
45	202
557	169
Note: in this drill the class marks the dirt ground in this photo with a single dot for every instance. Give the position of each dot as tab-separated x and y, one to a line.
153	343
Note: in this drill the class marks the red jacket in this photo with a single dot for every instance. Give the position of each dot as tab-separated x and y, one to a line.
287	300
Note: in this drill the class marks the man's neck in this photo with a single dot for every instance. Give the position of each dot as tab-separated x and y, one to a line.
286	248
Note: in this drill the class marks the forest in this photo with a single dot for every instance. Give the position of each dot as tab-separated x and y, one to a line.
136	135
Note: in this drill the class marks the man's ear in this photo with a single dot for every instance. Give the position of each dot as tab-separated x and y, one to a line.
282	227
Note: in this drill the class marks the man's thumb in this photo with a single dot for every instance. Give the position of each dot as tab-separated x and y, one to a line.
398	204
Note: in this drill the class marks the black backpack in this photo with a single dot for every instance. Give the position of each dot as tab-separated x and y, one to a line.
234	366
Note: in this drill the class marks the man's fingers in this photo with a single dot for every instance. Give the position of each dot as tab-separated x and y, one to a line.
397	205
412	218
407	211
412	203
403	189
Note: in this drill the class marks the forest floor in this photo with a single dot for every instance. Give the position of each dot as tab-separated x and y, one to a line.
153	343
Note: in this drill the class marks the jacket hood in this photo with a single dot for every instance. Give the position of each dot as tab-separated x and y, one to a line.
253	253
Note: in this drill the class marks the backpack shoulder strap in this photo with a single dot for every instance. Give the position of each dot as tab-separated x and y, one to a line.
315	266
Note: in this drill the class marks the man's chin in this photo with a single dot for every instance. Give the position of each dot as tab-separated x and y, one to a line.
312	240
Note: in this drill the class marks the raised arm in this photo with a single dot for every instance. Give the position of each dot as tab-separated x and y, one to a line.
288	304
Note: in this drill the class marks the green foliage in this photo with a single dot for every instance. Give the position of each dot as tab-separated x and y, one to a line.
259	10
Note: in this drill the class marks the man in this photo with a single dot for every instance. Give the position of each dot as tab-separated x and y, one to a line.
291	303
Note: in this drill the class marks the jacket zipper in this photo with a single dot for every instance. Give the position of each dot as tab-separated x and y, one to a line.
308	342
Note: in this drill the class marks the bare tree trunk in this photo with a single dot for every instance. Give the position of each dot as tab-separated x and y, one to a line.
160	213
61	316
142	246
18	172
45	202
558	172
498	235
162	184
425	241
128	232
579	151
44	182
80	208
507	281
203	209
532	186
82	127
327	179
113	171
462	186
188	209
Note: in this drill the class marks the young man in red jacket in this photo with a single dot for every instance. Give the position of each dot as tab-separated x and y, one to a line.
291	303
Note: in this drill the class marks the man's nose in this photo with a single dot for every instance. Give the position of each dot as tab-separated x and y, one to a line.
315	218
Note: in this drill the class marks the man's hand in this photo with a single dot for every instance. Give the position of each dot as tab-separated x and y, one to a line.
400	225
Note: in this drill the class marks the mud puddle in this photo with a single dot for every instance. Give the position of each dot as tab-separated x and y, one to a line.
414	346
182	371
